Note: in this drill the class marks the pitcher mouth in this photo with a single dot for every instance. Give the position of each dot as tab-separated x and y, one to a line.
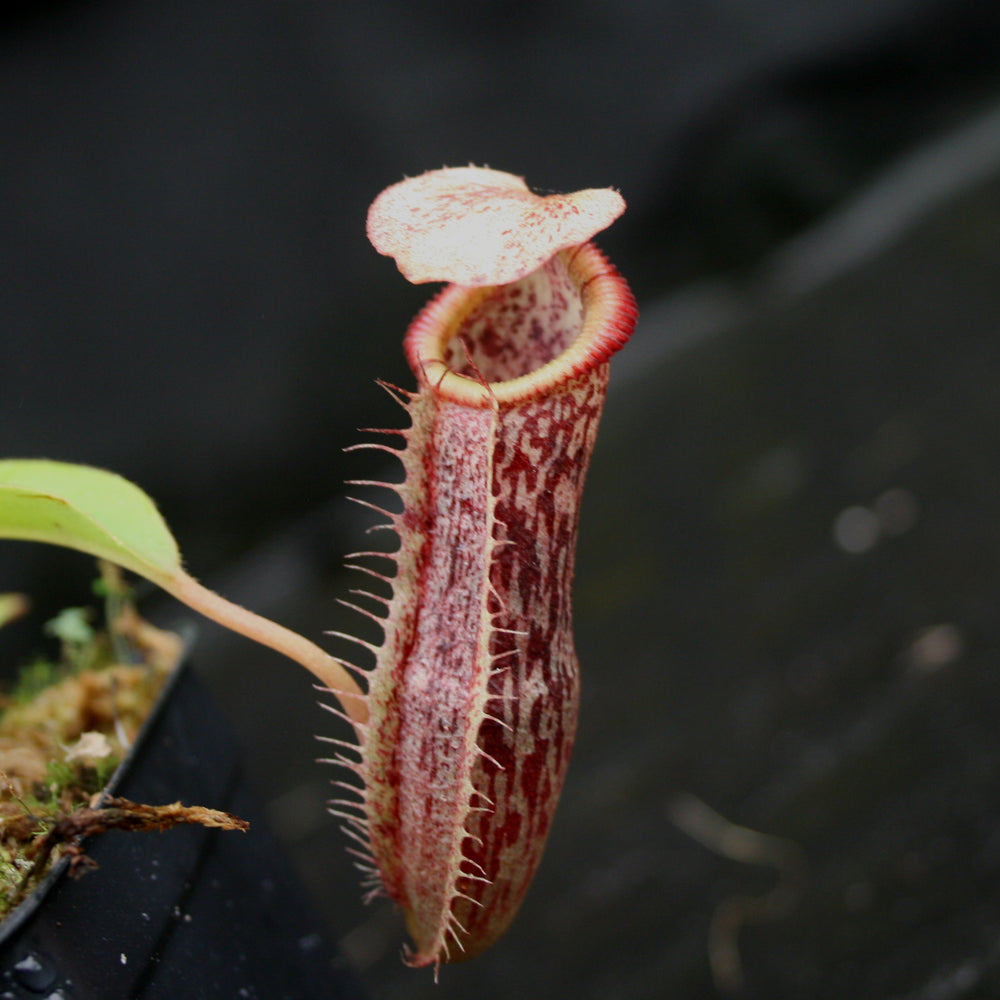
505	344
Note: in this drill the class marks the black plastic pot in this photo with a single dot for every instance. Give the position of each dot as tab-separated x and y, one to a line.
186	914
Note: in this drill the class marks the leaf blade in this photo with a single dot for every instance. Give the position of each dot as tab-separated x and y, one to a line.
88	509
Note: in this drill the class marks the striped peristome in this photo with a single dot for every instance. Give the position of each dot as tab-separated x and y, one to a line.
472	702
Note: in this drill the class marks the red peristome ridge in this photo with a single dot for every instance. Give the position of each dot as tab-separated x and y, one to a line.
602	324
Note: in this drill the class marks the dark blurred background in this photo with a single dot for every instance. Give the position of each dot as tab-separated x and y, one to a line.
788	569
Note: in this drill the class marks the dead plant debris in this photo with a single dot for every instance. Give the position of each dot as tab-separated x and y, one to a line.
121	814
65	728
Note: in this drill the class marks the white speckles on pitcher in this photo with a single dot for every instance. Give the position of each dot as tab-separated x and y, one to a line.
473	699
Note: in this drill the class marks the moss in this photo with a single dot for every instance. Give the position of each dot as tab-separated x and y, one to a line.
66	725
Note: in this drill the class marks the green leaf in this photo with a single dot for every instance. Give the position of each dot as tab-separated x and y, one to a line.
89	509
71	626
98	512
